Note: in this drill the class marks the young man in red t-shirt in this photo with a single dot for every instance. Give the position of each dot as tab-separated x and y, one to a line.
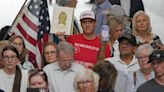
86	44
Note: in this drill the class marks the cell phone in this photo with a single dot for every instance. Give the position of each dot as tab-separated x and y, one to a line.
105	32
156	43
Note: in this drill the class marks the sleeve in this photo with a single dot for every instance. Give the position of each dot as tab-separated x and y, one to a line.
70	39
107	51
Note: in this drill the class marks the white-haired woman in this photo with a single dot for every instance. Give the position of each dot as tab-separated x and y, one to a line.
145	72
86	81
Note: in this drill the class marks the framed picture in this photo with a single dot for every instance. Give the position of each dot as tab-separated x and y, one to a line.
63	19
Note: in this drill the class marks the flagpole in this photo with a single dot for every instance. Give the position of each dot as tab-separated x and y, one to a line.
15	20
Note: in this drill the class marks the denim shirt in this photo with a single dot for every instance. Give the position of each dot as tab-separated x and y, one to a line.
100	17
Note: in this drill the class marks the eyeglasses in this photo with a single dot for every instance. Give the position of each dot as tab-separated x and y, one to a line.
50	53
17	44
7	58
143	57
83	83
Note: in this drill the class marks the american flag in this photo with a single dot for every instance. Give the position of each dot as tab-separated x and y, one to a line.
33	25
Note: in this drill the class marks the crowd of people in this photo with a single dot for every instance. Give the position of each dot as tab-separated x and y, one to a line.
129	61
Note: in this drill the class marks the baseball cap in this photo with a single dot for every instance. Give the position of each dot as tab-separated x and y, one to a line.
156	55
115	10
87	14
128	36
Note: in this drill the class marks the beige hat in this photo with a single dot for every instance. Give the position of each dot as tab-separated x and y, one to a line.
87	14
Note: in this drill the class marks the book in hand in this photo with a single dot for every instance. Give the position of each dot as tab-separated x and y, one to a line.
63	18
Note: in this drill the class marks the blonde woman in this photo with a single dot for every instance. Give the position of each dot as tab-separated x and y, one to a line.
142	30
110	48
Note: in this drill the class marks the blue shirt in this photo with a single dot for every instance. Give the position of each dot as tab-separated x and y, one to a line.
100	17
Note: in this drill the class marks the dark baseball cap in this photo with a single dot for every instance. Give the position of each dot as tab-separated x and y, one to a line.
156	55
128	36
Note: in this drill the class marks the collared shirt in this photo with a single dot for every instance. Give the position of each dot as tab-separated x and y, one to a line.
139	80
61	80
123	70
122	66
100	17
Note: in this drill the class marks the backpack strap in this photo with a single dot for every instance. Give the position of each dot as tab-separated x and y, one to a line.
134	77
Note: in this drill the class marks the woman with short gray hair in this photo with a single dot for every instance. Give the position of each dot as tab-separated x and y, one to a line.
145	72
86	81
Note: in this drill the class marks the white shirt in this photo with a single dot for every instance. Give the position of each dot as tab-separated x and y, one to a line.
7	81
116	48
122	66
59	80
123	70
121	82
126	6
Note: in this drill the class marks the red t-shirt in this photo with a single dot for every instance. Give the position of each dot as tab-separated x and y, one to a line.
86	51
